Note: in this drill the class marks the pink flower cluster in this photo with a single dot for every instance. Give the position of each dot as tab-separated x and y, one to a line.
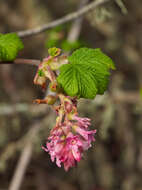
70	137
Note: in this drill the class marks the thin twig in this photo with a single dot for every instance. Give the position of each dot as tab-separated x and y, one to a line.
21	167
122	6
25	158
24	107
65	19
22	61
75	29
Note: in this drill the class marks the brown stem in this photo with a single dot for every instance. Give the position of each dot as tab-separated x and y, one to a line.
65	19
22	61
52	75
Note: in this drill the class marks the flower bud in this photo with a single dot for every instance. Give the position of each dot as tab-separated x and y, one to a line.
54	86
50	99
40	80
68	107
54	51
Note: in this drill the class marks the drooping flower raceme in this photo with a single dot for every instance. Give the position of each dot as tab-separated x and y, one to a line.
70	137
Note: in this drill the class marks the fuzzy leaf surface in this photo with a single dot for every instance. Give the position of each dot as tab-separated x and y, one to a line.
10	45
87	73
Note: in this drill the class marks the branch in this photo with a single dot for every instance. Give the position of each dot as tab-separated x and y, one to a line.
65	19
21	167
75	29
22	61
30	108
25	158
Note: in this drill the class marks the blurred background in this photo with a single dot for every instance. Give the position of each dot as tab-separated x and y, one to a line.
115	160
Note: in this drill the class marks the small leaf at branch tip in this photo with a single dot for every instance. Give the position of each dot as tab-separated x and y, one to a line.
54	51
51	99
10	45
40	73
87	73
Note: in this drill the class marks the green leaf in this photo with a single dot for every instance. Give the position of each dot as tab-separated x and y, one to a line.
104	59
91	56
87	73
10	45
40	73
54	51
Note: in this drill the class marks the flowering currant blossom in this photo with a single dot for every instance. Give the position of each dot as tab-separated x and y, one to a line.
70	137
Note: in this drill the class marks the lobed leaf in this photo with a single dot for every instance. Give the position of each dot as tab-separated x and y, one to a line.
87	73
10	45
